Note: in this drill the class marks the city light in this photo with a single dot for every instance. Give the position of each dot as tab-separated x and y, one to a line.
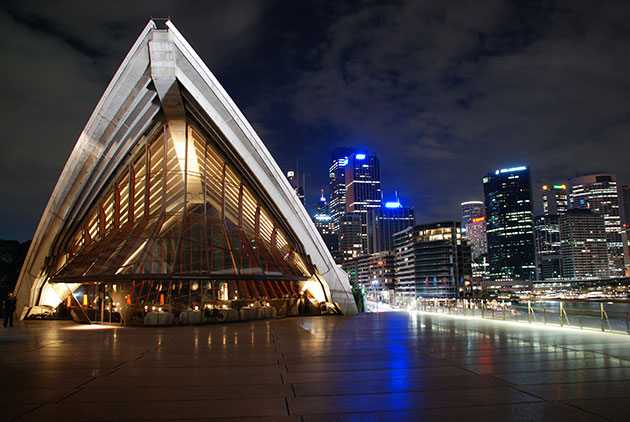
511	169
323	217
478	219
360	156
343	161
393	205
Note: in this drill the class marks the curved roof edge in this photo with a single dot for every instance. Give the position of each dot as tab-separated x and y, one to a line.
103	144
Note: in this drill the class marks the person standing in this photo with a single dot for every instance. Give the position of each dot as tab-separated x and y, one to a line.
10	303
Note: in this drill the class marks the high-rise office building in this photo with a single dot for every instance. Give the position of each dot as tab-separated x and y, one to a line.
625	199
337	179
350	240
383	222
295	184
583	245
598	192
432	260
510	224
363	188
322	206
474	227
548	254
470	211
554	199
325	226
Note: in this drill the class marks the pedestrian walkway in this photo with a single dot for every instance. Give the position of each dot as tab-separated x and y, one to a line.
371	367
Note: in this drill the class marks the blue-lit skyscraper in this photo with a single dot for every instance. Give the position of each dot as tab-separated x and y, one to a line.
383	222
363	188
510	224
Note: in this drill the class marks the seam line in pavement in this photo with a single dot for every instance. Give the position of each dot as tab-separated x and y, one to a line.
26	413
111	372
584	410
83	383
68	395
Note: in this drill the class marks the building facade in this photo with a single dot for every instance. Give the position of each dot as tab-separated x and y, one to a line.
510	224
548	247
337	180
583	245
350	237
363	189
554	199
294	181
375	273
598	192
432	261
383	222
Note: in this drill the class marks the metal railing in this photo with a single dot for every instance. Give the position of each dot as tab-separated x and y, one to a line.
533	312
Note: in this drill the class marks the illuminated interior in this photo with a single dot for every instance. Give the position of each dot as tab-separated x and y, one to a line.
180	228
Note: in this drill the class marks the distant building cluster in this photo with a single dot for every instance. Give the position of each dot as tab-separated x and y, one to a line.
582	233
579	236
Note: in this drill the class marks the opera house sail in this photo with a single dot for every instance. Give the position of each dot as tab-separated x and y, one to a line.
171	201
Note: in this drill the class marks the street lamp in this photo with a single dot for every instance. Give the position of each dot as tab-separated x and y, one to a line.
374	283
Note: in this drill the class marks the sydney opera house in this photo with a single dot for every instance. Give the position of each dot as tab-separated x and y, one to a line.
171	204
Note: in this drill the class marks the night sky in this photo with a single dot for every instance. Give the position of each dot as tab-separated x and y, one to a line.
444	92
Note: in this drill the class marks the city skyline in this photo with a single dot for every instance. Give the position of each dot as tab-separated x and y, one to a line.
479	89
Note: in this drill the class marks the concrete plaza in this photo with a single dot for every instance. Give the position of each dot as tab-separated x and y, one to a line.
387	366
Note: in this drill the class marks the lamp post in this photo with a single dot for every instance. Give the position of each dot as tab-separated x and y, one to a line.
374	283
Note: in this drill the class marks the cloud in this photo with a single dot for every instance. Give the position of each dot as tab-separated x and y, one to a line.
463	90
443	91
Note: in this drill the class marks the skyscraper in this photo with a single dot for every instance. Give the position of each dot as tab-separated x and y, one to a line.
510	224
325	226
470	211
350	241
383	222
337	178
295	184
363	188
554	199
583	240
598	192
625	199
548	247
321	206
474	227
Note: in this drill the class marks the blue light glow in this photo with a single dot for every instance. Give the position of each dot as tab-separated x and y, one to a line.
360	156
343	161
393	205
323	217
512	169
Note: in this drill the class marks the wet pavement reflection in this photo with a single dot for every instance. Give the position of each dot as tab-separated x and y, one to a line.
387	366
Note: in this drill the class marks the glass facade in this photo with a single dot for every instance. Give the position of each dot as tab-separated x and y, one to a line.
510	224
179	227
